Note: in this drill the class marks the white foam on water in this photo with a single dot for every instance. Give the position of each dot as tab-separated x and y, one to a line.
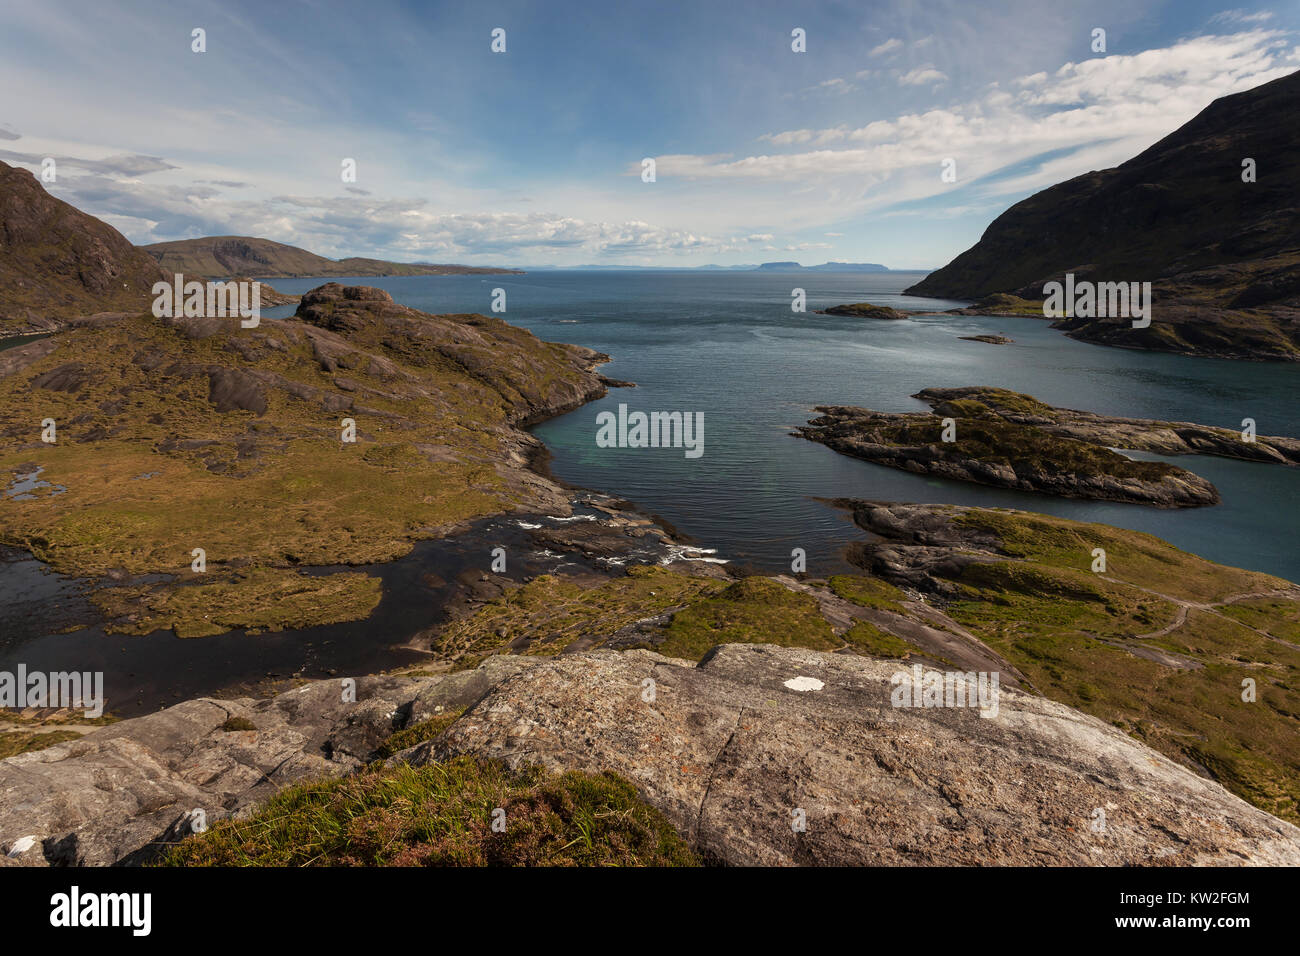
682	552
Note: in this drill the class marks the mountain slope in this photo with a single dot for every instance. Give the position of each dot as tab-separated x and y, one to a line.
1223	255
57	262
220	256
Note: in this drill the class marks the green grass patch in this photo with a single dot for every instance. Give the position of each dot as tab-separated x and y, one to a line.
869	639
419	733
1067	630
15	742
260	599
868	592
753	610
548	613
442	815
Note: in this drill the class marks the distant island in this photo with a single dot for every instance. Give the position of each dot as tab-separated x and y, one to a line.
744	267
824	267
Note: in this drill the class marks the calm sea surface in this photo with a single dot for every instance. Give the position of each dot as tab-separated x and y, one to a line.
728	345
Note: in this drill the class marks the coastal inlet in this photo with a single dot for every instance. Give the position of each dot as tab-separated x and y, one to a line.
47	621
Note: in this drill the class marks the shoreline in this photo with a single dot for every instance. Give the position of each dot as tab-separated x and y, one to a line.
422	591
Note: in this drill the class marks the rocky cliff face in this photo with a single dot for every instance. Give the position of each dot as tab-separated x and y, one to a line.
734	751
1223	254
57	262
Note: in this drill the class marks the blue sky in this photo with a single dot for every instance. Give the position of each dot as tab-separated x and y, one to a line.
533	156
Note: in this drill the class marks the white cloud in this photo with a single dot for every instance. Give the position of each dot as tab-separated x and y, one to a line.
446	194
1092	114
1233	17
921	76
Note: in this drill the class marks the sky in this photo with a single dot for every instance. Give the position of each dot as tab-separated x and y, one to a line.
534	155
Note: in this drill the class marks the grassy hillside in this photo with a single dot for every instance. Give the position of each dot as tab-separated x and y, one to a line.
195	433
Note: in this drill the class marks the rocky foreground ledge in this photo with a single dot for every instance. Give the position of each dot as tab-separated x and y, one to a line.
730	750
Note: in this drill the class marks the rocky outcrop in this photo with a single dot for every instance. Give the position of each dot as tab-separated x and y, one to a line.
501	356
116	794
734	751
1005	455
1143	434
56	262
437	403
1221	253
922	547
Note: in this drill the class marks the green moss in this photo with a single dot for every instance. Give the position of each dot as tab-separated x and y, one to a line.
256	598
548	613
753	610
1024	448
152	470
442	815
403	455
870	639
1133	557
234	724
16	742
1002	303
1277	615
868	592
1005	400
866	310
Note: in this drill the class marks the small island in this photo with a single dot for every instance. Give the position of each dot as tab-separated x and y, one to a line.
989	450
1138	434
865	310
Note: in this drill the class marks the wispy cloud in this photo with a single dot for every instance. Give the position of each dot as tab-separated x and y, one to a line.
114	165
1097	112
922	76
1236	17
528	158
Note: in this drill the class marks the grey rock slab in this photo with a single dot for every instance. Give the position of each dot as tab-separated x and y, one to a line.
735	751
729	752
